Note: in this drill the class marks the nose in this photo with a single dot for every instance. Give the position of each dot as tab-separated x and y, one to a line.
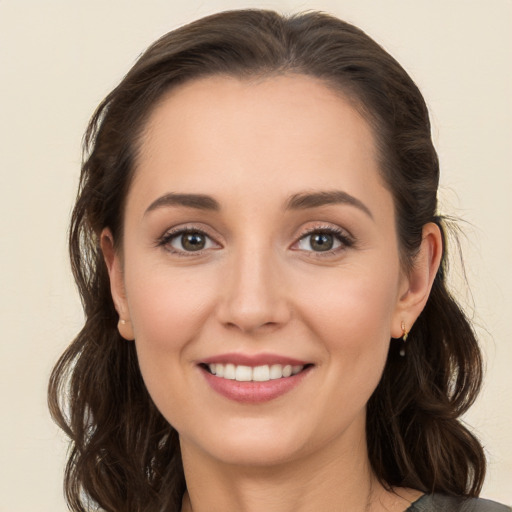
254	296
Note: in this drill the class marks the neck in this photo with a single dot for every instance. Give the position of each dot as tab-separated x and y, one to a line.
338	475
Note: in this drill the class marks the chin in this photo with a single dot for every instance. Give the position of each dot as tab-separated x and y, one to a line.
261	442
257	453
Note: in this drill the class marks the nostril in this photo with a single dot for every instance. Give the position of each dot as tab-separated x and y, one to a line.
247	325
253	297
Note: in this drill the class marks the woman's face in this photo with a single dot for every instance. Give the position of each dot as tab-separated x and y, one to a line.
260	239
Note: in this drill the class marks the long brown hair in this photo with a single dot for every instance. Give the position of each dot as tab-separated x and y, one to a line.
124	455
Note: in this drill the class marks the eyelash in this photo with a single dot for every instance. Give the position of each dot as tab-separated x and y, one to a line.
169	236
346	241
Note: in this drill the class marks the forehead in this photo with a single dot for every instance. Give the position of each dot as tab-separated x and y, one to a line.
223	132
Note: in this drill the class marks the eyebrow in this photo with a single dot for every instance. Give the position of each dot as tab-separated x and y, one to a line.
300	201
198	201
305	200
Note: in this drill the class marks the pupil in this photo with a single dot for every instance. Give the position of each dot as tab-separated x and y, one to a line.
193	241
321	242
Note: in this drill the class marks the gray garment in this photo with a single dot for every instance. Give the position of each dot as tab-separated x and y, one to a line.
442	503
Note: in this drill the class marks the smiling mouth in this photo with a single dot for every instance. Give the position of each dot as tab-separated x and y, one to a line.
263	373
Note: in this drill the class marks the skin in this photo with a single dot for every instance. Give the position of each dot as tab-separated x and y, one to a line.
258	286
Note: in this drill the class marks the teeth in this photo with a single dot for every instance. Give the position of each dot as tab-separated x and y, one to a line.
263	373
229	372
243	373
276	371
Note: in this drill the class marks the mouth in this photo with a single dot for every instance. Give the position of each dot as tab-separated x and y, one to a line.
253	380
262	373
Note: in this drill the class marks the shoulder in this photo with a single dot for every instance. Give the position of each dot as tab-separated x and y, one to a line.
444	503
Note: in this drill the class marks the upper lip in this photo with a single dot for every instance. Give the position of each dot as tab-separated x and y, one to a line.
253	360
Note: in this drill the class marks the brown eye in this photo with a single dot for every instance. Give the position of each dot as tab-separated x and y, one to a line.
324	240
193	241
321	242
188	241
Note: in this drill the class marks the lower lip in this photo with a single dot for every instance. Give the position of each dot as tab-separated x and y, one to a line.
253	392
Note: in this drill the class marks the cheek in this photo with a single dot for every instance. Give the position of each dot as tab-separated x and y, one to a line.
354	308
168	312
167	307
352	320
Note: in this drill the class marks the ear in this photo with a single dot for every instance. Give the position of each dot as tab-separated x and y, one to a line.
117	289
416	286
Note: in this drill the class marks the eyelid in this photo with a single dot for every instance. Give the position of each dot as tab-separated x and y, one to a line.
342	235
177	231
345	239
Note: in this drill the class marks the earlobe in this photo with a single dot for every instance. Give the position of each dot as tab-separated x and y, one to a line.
117	289
419	281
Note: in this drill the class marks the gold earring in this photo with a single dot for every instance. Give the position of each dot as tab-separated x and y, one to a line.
405	335
404	332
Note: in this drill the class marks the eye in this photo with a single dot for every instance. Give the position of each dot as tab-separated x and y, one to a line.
318	242
324	240
187	241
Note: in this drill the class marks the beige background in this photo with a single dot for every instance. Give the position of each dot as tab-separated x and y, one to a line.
59	58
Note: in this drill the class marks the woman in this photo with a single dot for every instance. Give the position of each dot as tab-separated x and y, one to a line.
261	263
